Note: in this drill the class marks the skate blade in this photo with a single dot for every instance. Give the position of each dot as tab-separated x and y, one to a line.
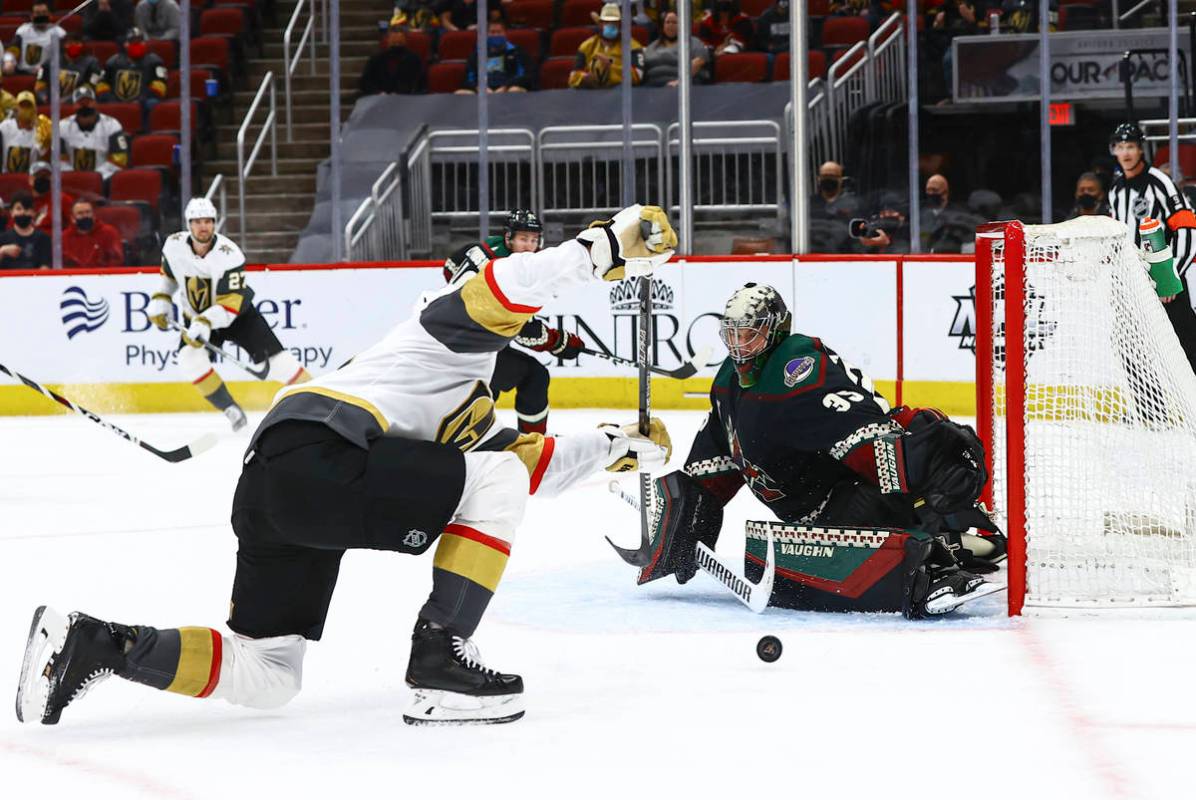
47	635
437	707
949	603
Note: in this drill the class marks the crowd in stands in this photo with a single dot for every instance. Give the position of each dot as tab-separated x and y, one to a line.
120	119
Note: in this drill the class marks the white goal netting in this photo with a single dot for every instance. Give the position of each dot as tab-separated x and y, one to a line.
1109	433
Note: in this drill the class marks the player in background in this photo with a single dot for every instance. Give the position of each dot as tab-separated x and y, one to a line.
215	298
1141	192
812	439
394	451
515	369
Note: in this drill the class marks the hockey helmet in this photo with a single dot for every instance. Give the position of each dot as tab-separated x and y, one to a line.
1127	132
200	208
755	321
522	219
135	34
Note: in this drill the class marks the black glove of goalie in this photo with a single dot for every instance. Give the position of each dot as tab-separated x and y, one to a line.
944	462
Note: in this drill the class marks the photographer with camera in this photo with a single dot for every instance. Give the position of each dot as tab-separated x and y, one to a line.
885	231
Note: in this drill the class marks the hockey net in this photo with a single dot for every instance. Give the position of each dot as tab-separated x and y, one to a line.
1087	406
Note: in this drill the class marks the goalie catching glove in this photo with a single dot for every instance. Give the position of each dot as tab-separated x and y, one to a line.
634	242
631	450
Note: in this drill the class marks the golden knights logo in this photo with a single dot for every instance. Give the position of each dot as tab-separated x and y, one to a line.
199	293
17	159
963	326
33	54
760	482
67	79
625	296
128	84
84	159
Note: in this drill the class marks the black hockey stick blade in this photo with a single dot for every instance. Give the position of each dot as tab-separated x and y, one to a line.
641	556
205	442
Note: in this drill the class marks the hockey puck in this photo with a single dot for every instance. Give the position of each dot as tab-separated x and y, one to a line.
768	648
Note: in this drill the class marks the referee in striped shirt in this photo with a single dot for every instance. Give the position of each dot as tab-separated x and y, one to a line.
1141	191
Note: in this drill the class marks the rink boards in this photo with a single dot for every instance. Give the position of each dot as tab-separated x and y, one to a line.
906	321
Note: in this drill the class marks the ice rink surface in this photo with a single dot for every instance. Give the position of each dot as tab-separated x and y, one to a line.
631	691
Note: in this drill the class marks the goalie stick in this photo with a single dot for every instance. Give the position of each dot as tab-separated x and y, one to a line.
259	374
753	595
183	453
686	370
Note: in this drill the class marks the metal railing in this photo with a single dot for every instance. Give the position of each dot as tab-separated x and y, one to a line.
375	231
290	64
218	189
453	158
737	166
580	167
270	126
886	54
419	183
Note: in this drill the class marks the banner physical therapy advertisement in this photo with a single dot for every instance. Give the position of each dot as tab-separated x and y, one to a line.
89	331
1085	65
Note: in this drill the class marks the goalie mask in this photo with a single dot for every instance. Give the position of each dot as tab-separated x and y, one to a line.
753	324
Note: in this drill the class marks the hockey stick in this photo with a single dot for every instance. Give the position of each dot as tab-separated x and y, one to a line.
259	374
201	444
686	370
753	595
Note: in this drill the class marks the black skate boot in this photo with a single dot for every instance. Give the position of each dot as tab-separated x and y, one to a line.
451	686
65	657
951	588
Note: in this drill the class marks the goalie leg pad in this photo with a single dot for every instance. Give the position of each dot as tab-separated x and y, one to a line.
681	514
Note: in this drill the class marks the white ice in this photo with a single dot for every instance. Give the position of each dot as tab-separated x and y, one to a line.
631	691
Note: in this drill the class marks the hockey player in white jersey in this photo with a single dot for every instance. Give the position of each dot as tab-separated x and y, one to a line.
93	141
215	298
394	451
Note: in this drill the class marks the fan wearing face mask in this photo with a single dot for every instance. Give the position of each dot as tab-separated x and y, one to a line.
158	18
30	47
77	68
772	28
1090	197
91	141
600	58
134	75
39	183
24	136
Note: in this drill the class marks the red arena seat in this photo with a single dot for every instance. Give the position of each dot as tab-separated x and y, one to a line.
137	185
445	77
127	114
577	12
844	31
528	41
420	43
11	183
210	51
740	68
165	49
564	41
225	21
815	65
83	184
554	73
153	150
456	45
530	13
167	116
102	50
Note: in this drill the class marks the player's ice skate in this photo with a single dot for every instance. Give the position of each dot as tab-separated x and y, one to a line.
236	417
451	686
64	657
956	588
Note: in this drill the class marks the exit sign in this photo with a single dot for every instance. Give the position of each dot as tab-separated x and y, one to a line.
1062	114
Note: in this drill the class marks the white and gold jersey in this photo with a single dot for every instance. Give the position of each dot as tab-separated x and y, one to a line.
22	146
212	285
31	46
428	379
104	148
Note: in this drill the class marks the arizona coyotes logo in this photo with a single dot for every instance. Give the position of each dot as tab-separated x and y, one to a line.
33	54
199	293
84	159
465	425
17	159
128	84
760	482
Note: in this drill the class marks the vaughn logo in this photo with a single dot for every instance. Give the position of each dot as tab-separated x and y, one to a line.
963	326
80	314
625	296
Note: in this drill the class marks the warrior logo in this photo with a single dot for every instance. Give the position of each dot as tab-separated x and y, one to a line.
963	326
415	538
81	314
128	84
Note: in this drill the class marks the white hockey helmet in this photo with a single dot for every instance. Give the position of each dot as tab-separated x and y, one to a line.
200	208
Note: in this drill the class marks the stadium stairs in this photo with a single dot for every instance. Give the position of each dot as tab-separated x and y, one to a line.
278	208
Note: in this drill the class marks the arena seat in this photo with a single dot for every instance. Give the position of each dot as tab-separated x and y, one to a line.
224	21
211	51
528	41
18	7
565	41
102	50
554	73
843	32
445	77
1187	157
8	27
456	45
17	83
167	117
71	24
754	8
125	218
137	185
815	65
167	50
531	13
127	114
82	183
838	54
153	150
199	88
420	43
740	68
577	12
11	183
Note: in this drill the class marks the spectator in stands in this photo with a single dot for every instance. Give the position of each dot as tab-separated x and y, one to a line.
772	28
660	57
415	15
25	136
459	15
134	75
158	18
23	246
655	10
725	29
946	226
833	199
40	175
78	68
600	58
108	20
396	70
30	46
506	67
91	141
873	10
1021	16
88	242
954	18
1090	197
7	101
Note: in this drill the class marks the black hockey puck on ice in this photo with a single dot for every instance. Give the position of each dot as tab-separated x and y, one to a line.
768	648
